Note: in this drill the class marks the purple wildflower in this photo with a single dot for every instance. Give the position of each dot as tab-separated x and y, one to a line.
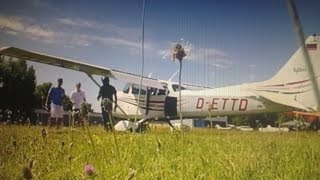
89	169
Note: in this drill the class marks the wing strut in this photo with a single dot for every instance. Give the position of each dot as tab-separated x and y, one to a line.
90	76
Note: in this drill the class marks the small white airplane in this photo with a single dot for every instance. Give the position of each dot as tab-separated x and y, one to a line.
222	128
274	129
245	128
288	89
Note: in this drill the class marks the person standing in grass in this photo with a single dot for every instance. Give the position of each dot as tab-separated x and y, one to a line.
77	97
55	100
107	92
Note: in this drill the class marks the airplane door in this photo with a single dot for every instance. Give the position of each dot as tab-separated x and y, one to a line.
148	101
170	106
168	103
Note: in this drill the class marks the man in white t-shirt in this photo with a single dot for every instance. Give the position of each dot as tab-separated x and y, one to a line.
77	97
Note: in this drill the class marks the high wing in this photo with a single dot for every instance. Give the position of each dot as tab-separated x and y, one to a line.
79	66
195	86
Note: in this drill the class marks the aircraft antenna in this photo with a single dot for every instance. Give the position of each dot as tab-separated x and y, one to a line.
174	74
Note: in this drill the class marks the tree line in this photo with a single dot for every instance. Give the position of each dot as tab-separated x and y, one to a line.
259	120
19	94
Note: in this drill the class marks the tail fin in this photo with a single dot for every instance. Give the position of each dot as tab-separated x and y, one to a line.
292	85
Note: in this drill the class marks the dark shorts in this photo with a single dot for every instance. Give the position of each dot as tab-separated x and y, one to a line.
108	106
105	114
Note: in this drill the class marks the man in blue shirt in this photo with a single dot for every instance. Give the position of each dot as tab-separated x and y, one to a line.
55	99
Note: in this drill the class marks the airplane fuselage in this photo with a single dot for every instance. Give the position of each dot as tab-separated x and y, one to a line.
195	104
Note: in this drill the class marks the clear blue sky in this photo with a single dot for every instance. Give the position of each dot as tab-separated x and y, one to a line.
232	41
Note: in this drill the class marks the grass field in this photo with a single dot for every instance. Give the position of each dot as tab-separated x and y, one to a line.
205	154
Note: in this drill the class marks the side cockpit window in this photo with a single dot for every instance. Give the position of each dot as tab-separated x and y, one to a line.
135	90
161	92
164	91
153	91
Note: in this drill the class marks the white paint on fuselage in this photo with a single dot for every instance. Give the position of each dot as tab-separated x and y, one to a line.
201	103
225	101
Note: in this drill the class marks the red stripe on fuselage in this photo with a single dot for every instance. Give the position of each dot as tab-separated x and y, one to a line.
290	83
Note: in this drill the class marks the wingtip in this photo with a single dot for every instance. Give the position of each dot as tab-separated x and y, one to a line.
3	48
6	47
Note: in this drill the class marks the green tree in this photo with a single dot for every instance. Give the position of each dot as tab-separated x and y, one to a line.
17	88
282	117
42	93
67	104
239	120
256	120
269	119
86	108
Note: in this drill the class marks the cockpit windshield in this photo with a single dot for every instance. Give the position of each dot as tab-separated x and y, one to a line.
126	88
175	87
